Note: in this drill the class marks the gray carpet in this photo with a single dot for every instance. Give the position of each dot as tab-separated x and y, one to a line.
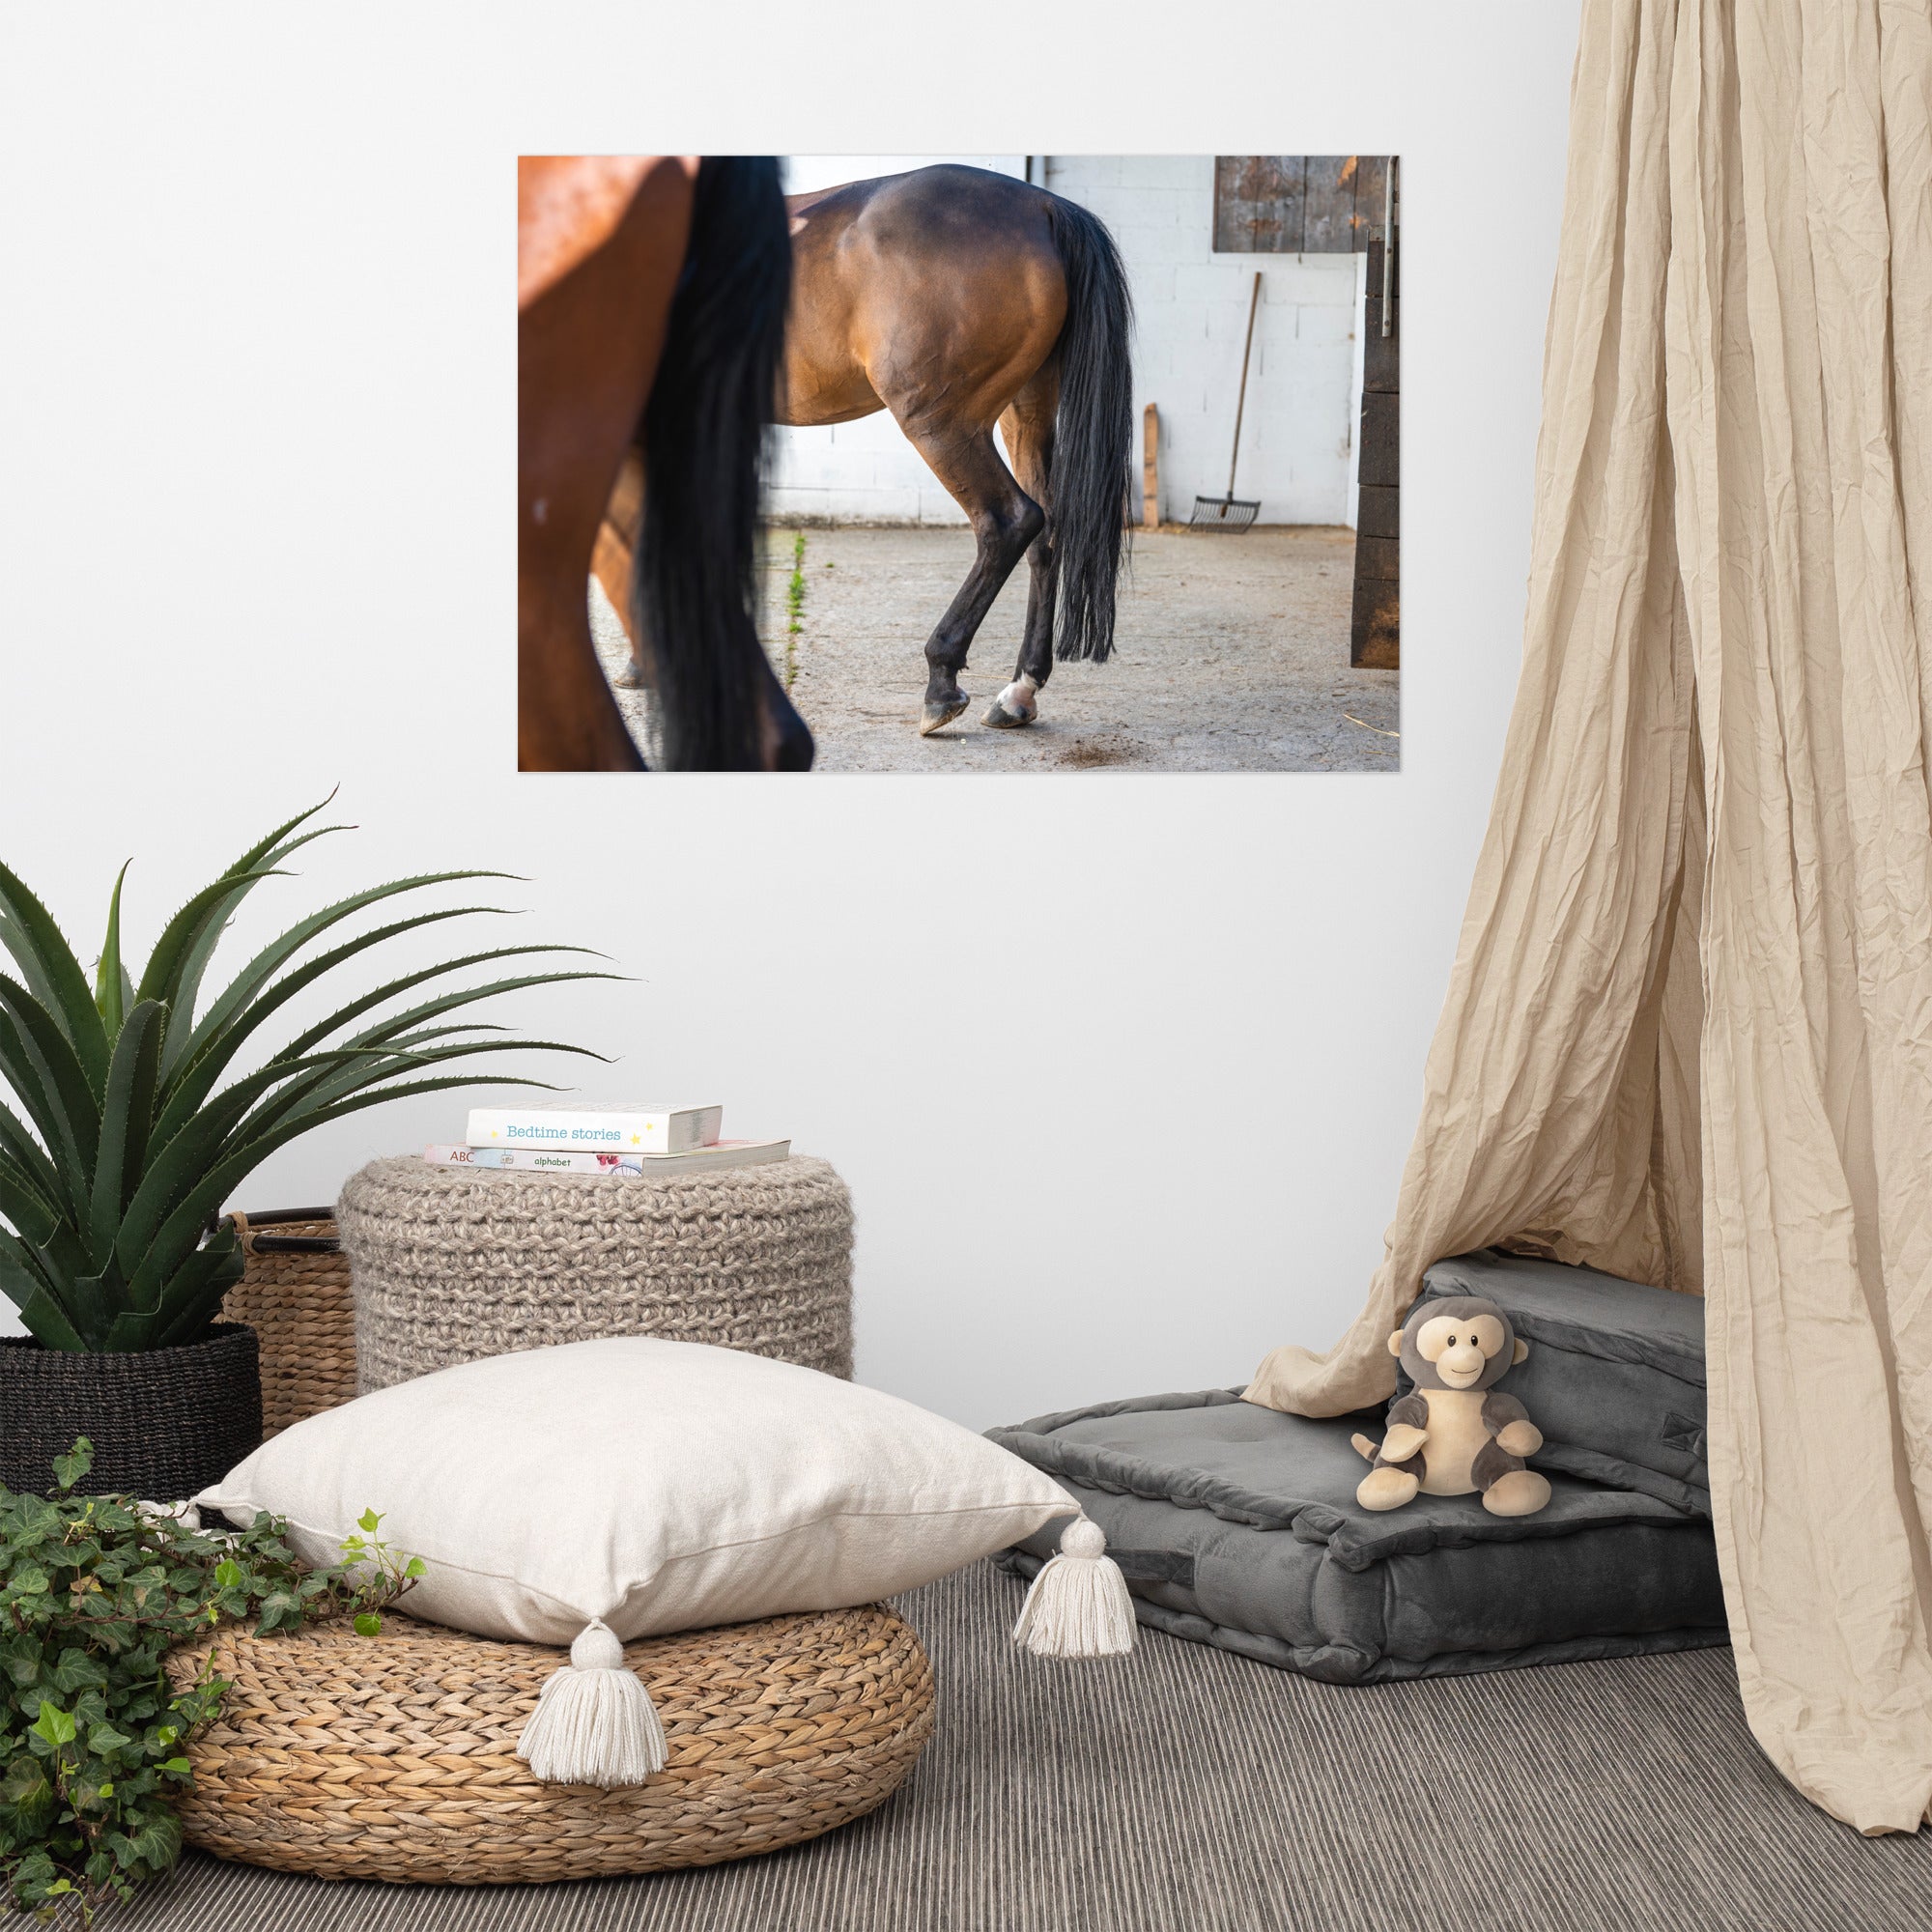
1188	1791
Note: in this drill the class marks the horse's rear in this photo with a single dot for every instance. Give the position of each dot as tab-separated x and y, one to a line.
937	295
960	300
651	301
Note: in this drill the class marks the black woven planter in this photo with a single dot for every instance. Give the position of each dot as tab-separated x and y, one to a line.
165	1423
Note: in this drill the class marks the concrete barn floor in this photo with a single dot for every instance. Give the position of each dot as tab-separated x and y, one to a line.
1230	654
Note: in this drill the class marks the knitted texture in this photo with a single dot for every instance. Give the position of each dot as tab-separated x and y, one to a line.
453	1264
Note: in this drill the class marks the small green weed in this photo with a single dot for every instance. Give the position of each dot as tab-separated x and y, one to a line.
794	606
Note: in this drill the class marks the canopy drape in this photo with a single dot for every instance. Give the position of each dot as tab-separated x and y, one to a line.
1689	1030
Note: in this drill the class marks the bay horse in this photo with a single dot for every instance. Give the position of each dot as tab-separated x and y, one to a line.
651	295
958	299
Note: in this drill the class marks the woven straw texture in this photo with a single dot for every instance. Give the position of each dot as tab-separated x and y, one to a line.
454	1263
304	1313
394	1756
164	1421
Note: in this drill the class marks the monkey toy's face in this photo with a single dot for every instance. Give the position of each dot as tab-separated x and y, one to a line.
1456	1342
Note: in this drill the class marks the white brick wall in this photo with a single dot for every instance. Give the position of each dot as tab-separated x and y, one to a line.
1304	382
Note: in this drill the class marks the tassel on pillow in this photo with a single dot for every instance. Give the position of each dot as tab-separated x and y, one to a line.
594	1722
1078	1605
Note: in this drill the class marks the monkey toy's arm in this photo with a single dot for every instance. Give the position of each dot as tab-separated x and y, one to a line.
1508	1421
1409	1428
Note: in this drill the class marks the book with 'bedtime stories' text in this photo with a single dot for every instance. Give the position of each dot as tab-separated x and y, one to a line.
596	1129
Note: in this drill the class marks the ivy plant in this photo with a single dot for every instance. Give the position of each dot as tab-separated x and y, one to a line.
95	1591
131	1125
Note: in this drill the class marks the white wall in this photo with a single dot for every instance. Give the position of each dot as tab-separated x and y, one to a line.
1298	425
1121	1069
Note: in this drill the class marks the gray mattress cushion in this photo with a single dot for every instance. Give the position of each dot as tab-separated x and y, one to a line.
1237	1525
1615	1373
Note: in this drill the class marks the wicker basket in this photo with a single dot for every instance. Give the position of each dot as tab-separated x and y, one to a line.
164	1421
394	1756
295	1296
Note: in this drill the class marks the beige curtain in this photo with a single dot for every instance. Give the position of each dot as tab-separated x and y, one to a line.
1688	1032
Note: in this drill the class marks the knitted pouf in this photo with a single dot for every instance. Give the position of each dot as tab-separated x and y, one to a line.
453	1264
394	1756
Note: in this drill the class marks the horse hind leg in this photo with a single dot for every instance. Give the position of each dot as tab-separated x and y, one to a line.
1006	523
1028	427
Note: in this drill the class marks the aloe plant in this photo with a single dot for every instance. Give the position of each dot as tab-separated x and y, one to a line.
124	1142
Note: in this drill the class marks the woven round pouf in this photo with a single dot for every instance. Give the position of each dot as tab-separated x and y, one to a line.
394	1756
452	1263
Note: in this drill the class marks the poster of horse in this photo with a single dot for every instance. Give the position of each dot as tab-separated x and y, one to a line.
799	436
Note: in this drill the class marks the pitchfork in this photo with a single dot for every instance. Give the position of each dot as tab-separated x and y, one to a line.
1227	513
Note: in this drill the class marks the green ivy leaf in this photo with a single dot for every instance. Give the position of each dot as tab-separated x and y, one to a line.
75	1670
415	1568
368	1624
35	1876
21	1660
53	1725
70	1469
280	1603
24	1783
368	1521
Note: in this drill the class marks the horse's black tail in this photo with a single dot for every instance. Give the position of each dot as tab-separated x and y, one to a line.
703	442
1092	441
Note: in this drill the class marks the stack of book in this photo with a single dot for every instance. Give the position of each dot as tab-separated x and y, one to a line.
603	1140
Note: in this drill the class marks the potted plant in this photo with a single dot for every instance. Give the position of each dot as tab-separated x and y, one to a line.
95	1719
130	1126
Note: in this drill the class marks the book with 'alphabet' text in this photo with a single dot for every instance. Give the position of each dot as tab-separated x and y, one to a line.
545	1160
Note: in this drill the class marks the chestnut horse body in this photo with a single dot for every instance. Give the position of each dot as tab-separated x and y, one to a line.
650	295
961	299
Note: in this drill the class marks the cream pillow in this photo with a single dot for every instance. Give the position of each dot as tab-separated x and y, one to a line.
646	1486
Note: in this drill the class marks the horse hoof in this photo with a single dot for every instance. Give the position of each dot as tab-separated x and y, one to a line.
937	717
1002	720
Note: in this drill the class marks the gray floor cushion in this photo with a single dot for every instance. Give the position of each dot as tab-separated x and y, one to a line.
1615	1375
1237	1525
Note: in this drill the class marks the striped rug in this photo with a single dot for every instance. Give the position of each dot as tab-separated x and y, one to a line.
1185	1790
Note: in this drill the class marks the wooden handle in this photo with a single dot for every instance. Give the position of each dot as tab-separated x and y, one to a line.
1241	402
1150	469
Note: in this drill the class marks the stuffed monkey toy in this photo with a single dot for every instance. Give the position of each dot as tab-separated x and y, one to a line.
1456	1432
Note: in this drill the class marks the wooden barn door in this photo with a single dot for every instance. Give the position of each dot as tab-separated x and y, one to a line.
1374	632
1340	204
